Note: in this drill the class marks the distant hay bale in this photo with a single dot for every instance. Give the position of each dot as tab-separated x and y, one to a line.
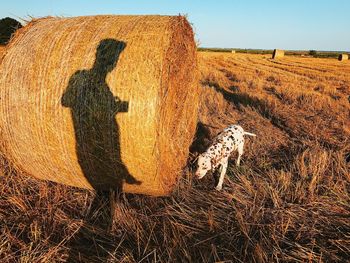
277	53
233	51
343	57
8	26
102	101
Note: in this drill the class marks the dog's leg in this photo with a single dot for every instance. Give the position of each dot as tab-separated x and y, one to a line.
238	162
240	152
222	175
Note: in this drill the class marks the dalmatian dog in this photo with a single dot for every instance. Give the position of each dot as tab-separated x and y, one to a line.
229	140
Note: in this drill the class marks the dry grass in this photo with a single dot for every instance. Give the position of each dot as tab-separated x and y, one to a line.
288	202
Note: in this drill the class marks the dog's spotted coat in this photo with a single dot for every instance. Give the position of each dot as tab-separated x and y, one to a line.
229	140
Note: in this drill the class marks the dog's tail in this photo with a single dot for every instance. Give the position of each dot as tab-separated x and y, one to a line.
250	134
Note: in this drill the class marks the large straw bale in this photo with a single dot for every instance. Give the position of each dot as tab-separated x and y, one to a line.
277	53
343	57
102	101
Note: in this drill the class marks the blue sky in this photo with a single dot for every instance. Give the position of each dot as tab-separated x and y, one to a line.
294	24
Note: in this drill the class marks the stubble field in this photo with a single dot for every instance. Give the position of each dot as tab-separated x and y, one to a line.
288	202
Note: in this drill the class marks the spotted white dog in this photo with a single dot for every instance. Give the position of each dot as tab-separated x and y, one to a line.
227	141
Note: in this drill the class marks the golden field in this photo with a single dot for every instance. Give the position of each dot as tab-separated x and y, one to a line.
288	202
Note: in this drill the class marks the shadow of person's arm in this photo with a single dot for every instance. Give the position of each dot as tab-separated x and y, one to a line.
120	106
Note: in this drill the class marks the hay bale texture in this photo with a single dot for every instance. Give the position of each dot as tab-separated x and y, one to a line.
102	101
277	53
2	51
343	57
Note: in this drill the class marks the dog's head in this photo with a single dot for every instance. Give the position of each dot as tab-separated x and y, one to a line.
204	165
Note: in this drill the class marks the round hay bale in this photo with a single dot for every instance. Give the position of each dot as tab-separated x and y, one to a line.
277	53
8	26
101	102
343	57
233	51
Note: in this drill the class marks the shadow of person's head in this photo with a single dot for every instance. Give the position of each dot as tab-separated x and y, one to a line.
107	55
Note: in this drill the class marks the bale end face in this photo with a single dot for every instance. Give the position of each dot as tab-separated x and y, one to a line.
108	102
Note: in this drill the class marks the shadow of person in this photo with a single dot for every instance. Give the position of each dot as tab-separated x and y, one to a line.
93	242
94	108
